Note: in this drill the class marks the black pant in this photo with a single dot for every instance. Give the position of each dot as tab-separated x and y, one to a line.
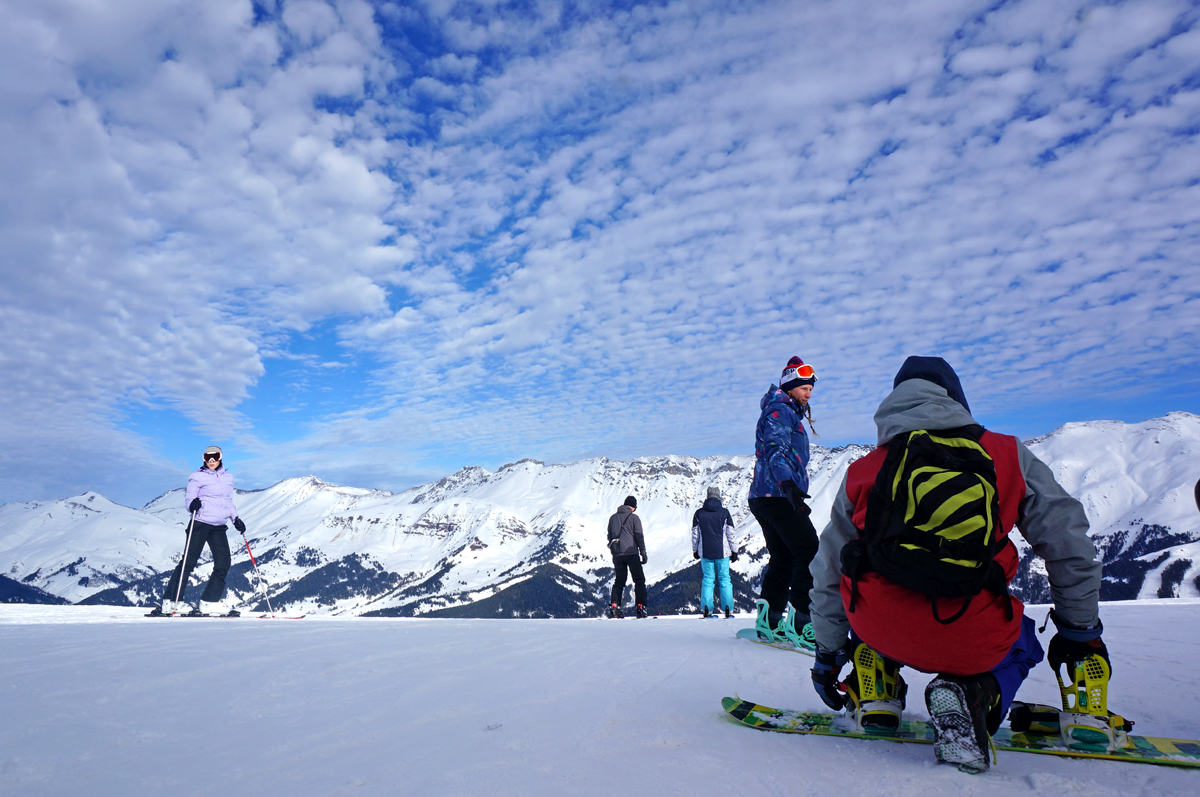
792	545
218	543
631	564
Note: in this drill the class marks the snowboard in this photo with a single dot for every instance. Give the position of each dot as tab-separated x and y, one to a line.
1141	749
752	635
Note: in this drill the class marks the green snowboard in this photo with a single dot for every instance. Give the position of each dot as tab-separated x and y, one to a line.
752	635
1141	749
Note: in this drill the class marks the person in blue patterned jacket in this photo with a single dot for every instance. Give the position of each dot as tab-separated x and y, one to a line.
778	498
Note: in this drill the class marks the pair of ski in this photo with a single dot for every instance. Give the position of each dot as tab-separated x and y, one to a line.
229	616
1028	739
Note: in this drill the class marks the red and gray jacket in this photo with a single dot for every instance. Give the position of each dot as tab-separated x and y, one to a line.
896	621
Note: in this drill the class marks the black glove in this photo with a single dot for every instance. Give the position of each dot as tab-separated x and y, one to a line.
825	674
1074	644
643	558
733	555
695	554
239	525
194	506
795	497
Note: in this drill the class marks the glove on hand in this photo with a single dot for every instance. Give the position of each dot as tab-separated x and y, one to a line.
1073	644
733	555
825	674
695	554
643	558
795	497
194	506
239	525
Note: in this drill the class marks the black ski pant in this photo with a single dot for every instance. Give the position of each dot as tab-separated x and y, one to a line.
624	564
218	543
792	545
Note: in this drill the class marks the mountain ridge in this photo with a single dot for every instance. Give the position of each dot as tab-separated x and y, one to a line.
477	534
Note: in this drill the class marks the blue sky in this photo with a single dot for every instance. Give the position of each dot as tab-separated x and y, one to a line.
379	242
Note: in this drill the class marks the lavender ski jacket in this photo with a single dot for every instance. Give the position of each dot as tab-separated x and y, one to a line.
214	488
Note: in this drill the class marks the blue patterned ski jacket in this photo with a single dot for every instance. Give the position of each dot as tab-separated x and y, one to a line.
780	446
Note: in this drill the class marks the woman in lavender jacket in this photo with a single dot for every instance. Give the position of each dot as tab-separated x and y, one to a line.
210	500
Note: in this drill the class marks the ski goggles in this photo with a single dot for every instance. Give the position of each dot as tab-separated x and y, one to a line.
208	457
802	372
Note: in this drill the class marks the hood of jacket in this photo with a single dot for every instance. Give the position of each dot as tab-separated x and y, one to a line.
918	404
712	504
775	395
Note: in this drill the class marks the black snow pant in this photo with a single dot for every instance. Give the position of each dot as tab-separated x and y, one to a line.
218	543
624	564
792	545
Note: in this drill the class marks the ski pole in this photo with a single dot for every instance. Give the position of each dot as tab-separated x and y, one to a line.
187	546
257	572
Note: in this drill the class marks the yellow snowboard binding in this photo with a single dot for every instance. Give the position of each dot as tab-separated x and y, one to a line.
1085	723
875	693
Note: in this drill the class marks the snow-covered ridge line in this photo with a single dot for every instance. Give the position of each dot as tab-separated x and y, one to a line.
529	537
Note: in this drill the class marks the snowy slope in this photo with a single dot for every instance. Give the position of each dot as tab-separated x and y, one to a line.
532	532
99	701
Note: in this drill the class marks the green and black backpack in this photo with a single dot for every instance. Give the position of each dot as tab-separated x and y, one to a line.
933	520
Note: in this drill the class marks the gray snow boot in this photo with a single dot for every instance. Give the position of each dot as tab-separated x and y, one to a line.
958	711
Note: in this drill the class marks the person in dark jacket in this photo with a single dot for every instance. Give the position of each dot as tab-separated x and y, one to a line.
713	545
628	548
209	499
981	656
778	498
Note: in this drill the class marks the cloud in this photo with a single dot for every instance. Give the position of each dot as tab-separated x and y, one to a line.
571	233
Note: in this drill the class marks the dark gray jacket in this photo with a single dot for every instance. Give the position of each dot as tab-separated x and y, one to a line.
1051	521
627	526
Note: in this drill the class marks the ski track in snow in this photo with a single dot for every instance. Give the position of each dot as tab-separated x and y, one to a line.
101	701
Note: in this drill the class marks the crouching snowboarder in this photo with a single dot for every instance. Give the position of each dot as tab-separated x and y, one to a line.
209	499
913	569
628	548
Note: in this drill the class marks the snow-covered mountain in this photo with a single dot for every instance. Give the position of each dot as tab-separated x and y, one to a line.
529	538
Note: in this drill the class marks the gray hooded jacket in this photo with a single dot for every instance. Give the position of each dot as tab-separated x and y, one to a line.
1051	521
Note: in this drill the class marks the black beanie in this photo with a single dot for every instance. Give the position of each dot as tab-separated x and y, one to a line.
630	501
936	370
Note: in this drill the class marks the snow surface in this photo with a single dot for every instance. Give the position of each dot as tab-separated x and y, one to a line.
101	701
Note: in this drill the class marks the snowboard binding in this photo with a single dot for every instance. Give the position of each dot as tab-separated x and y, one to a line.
1085	723
875	693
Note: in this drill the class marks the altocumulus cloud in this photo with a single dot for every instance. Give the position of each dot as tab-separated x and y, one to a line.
492	230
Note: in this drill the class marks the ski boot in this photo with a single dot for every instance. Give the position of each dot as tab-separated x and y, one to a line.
728	613
707	613
641	611
959	707
875	693
797	631
614	612
1085	722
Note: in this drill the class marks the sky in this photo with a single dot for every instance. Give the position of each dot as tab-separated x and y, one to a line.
377	242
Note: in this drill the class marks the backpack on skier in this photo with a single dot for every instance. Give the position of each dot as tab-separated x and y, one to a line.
933	520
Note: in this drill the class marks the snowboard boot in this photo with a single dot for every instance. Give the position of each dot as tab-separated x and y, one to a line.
641	611
614	612
875	692
959	708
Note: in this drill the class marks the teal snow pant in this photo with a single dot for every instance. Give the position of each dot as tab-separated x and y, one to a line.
718	569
